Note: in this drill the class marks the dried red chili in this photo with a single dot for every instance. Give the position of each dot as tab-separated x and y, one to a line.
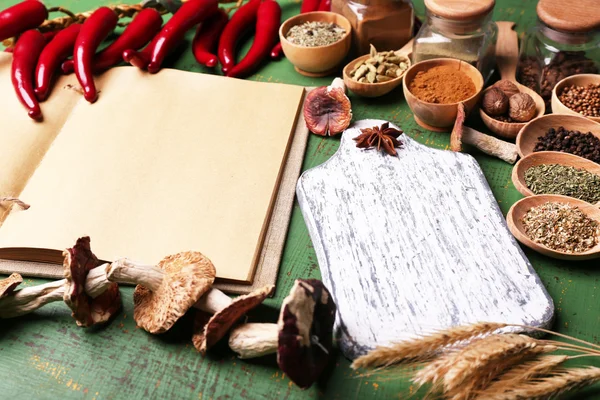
206	39
140	31
53	54
242	21
324	5
25	56
94	30
309	6
268	20
277	52
26	15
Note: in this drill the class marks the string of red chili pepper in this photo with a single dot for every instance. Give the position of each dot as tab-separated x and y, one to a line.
268	19
324	5
26	15
25	56
206	39
93	31
242	21
189	15
55	52
140	31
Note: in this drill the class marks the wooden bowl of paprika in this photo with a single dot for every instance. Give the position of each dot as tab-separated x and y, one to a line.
318	60
433	88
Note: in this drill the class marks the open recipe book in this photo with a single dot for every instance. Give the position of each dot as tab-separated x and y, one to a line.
159	164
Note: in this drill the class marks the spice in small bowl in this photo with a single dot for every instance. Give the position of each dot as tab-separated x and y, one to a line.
584	100
504	102
585	145
380	67
564	180
561	227
442	84
315	34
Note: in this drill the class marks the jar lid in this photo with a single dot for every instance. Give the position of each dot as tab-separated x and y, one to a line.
460	9
579	16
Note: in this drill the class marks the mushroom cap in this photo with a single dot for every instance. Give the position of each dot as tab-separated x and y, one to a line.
306	331
8	285
188	275
327	110
457	130
87	311
208	331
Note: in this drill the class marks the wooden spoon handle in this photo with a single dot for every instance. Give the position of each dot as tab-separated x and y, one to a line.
507	50
406	50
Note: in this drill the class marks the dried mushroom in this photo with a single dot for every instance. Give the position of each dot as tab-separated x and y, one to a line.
379	67
327	109
8	285
302	338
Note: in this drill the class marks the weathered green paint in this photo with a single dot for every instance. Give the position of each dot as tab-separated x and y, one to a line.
45	355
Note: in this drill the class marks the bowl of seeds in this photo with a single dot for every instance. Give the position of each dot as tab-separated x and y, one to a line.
578	95
316	42
378	72
557	226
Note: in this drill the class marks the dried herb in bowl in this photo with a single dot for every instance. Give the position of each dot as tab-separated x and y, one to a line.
564	180
314	34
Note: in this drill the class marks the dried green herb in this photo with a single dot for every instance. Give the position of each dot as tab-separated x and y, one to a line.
564	180
561	227
314	34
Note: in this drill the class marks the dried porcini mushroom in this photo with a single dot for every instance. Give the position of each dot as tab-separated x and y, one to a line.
521	107
508	87
87	311
208	330
383	137
8	285
302	337
327	109
495	102
166	291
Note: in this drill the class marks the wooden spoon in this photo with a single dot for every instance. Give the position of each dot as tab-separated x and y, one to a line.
548	157
507	55
515	224
528	136
375	89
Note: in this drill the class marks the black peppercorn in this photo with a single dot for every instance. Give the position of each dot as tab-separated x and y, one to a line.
585	145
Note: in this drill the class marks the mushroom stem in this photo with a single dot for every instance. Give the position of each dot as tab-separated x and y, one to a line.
254	340
150	276
29	299
490	145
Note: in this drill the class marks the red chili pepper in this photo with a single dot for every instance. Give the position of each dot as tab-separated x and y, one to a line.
277	52
141	58
9	49
242	21
140	31
94	30
26	15
25	56
53	54
324	5
207	38
309	6
268	20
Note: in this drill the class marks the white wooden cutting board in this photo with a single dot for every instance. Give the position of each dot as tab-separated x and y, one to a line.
414	243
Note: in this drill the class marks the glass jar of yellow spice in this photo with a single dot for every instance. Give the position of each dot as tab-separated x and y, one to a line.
461	29
386	24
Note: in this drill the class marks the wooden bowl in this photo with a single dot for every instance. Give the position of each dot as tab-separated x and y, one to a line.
321	60
439	117
510	130
527	138
516	212
375	89
579	80
548	157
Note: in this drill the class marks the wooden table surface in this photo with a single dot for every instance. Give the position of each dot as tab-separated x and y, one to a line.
45	355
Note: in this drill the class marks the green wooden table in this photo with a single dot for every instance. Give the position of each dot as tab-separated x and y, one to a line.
45	355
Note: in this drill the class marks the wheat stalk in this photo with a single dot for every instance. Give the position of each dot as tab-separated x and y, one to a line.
484	359
548	387
423	348
435	370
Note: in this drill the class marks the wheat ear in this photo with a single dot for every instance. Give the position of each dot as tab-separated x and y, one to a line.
423	348
551	386
484	357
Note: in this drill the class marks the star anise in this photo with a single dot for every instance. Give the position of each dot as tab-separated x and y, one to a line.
381	137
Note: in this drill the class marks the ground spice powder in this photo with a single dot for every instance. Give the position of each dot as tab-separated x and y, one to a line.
442	85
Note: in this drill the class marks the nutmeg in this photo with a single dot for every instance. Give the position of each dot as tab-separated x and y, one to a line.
521	107
495	102
508	87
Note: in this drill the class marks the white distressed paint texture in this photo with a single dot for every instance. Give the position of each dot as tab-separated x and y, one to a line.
414	243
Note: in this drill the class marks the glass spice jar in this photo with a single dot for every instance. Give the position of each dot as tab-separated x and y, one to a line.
565	42
461	29
386	24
